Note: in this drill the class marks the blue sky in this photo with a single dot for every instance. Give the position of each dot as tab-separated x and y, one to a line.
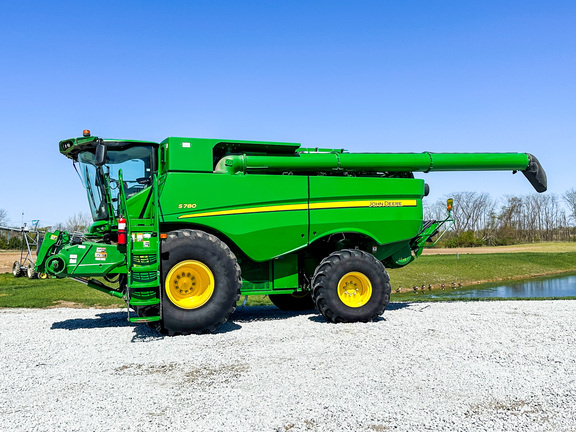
387	76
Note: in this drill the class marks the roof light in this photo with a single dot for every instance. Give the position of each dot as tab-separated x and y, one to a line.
86	132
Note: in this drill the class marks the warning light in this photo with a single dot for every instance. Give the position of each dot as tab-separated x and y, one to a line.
449	204
163	236
86	132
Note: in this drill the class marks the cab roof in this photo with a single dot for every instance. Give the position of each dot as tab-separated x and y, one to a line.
72	146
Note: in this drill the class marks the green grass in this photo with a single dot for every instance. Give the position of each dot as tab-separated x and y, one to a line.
38	293
470	269
426	270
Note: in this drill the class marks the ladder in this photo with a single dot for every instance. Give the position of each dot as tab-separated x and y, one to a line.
143	256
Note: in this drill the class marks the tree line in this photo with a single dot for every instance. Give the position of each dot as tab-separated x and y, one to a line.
77	223
481	220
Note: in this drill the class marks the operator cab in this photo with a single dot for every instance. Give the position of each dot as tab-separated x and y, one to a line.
99	163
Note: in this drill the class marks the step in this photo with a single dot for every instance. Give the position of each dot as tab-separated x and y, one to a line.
146	246
142	226
143	285
144	268
139	297
144	259
142	302
138	250
144	319
142	221
143	276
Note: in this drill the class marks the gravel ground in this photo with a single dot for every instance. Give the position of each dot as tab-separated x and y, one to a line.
437	366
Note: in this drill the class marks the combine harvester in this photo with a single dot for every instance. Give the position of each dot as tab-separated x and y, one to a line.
183	228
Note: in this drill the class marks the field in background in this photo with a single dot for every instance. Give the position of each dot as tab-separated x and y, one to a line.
7	258
442	267
545	247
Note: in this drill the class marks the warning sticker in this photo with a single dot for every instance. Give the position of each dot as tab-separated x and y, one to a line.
100	249
139	236
146	244
53	237
100	256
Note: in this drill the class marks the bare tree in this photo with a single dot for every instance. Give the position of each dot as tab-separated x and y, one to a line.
79	222
570	200
472	211
434	211
526	218
4	220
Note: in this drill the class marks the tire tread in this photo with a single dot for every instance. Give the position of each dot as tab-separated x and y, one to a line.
322	292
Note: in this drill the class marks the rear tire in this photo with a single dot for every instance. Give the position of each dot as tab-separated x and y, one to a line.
293	302
16	269
200	282
350	286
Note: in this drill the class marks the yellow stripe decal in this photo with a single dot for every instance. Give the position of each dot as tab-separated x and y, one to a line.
312	206
266	209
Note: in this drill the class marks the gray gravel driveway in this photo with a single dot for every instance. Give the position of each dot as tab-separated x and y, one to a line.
427	366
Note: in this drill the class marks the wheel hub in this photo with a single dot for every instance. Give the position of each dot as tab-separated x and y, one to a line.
354	289
189	284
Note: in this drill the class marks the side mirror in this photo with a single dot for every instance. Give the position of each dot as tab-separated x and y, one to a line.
449	204
100	156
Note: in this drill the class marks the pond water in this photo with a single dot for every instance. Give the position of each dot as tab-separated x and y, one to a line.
559	286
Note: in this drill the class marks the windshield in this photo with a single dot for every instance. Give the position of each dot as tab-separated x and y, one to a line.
93	184
135	163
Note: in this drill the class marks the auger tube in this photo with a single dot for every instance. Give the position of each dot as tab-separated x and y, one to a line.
388	162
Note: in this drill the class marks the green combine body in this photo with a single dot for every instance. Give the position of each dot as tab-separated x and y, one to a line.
183	228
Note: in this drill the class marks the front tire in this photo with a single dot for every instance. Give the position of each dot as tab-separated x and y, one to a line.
200	282
350	286
30	272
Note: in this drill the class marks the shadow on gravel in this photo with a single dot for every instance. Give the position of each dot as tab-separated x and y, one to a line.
227	327
391	307
396	306
265	313
103	320
142	332
246	314
321	319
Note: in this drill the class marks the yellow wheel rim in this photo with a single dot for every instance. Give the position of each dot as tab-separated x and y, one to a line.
354	289
189	284
42	275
